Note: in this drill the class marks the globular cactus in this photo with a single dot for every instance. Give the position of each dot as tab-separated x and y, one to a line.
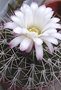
23	70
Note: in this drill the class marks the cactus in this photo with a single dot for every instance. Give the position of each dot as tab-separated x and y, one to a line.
23	70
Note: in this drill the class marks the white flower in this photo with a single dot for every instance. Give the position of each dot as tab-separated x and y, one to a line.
33	26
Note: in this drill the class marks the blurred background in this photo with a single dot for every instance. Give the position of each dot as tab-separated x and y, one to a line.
4	5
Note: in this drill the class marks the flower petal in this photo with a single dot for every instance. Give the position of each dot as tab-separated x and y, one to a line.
19	14
40	17
57	35
17	21
50	31
51	40
50	46
30	48
20	30
54	19
25	44
17	30
10	25
38	41
32	35
28	16
48	10
24	7
52	25
16	41
39	52
34	7
50	14
42	8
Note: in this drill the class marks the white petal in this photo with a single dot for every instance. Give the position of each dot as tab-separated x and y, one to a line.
57	35
40	18
19	30
19	14
34	7
25	31
48	10
38	41
50	14
50	31
32	35
51	25
30	48
10	25
50	46
28	16
41	14
24	7
51	40
16	41
54	19
17	21
43	35
25	44
42	8
39	52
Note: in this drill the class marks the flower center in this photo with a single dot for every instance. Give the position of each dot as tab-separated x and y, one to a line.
34	29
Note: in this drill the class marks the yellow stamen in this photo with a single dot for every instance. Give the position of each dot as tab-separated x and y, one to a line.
34	29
